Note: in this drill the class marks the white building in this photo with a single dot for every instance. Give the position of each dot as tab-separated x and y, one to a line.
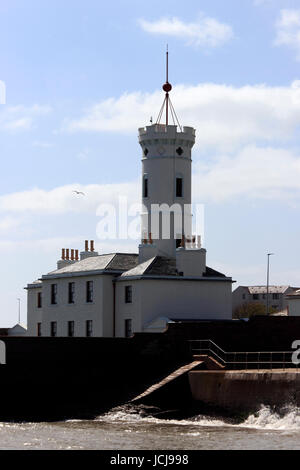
258	294
119	294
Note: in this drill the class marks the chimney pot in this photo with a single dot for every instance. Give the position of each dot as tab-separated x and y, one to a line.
72	255
86	245
92	245
76	255
67	254
63	253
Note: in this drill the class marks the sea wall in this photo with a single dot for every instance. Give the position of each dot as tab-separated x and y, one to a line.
245	390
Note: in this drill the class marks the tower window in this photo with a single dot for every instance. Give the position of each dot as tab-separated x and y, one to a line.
71	292
39	329
53	294
39	300
145	186
89	291
179	187
179	151
146	151
128	294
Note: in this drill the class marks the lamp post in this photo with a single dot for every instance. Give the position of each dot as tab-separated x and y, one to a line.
268	277
19	311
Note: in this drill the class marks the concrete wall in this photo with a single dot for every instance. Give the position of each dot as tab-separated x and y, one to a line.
245	390
176	299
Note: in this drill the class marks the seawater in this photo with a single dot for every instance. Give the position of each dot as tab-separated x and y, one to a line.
131	430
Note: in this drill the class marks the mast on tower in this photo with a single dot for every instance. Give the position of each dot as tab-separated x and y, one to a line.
167	104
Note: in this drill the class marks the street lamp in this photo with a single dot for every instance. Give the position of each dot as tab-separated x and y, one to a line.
268	277
19	311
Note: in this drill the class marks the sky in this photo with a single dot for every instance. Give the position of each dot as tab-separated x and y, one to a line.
82	76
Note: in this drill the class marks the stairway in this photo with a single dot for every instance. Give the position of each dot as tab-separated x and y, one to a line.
178	372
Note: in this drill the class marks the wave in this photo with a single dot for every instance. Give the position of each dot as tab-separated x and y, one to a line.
286	419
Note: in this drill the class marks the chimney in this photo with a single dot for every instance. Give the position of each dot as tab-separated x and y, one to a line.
65	258
88	253
76	255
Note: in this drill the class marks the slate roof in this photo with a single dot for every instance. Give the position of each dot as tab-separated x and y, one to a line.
110	262
263	289
161	266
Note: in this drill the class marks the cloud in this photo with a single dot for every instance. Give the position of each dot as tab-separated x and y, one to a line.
254	173
205	32
8	223
21	118
62	199
225	117
288	30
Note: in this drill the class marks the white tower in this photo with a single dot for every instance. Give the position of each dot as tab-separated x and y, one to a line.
166	183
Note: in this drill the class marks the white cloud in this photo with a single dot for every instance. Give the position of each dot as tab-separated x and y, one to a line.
21	118
224	116
8	223
288	30
254	172
62	199
205	32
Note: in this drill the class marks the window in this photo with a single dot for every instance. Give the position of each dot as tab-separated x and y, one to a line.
179	151
264	296
179	186
128	328
39	300
89	328
39	329
89	291
71	328
128	294
244	296
255	296
53	328
145	186
71	292
275	296
53	294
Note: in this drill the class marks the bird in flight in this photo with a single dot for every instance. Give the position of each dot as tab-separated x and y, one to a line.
79	192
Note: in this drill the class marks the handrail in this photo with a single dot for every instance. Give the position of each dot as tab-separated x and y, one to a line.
211	345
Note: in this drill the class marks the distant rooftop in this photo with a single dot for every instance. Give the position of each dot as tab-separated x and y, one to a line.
272	289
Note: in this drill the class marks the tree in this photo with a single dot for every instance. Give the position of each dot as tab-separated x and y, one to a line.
250	309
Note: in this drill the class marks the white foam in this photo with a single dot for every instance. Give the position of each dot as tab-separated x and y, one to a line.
285	420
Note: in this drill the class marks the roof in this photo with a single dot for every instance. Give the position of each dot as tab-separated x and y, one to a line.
295	294
161	266
263	289
110	262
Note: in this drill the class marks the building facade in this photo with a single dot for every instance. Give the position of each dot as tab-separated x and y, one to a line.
258	294
167	280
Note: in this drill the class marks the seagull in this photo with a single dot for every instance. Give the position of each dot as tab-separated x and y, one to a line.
79	192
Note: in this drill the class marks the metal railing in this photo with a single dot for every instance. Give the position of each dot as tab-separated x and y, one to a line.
243	359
